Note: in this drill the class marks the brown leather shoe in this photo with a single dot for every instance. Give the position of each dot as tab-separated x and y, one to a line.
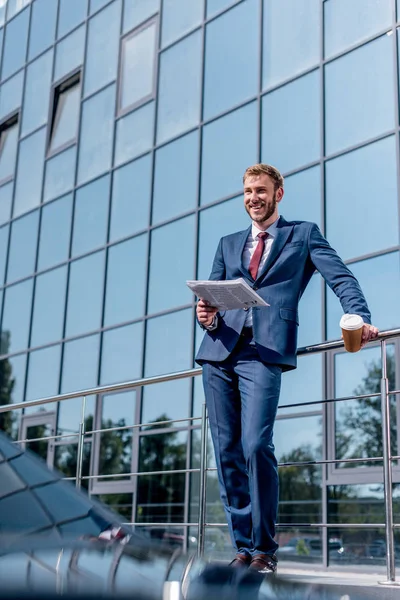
241	561
264	563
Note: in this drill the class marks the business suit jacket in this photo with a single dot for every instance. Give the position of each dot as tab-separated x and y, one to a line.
297	250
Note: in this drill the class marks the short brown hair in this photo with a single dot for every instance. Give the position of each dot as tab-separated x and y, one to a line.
262	169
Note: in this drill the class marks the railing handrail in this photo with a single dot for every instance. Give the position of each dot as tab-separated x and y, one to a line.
136	383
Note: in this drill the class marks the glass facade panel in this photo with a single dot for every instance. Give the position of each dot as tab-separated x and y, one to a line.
300	36
55	232
85	294
40	362
91	216
304	384
103	44
310	314
166	401
125	292
232	68
28	189
23	243
138	66
170	199
60	174
374	275
298	439
138	11
6	192
297	108
121	355
17	314
131	194
43	26
71	13
346	23
70	53
214	6
8	151
369	173
96	135
80	366
15	6
179	96
11	94
65	122
4	231
179	17
13	368
49	307
15	44
164	254
229	147
176	333
302	200
135	134
359	95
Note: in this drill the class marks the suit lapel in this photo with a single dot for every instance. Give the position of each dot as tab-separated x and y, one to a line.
243	235
283	231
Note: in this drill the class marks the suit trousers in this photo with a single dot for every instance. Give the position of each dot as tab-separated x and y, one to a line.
242	395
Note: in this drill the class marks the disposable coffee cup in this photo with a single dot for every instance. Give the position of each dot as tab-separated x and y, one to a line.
352	327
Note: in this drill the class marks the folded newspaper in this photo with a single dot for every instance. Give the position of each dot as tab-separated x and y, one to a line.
227	295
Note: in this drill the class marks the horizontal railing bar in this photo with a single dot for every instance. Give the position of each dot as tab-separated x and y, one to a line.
329	400
128	385
48	437
312	525
144	425
161	524
114	475
322	462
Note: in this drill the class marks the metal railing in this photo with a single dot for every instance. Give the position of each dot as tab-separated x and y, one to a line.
202	524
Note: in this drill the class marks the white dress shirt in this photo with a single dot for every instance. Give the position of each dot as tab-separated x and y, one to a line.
249	250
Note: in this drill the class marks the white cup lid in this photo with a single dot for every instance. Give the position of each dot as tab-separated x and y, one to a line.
351	322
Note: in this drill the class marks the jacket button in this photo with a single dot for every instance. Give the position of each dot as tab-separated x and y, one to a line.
255	287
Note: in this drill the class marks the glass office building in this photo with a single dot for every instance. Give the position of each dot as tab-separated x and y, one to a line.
125	128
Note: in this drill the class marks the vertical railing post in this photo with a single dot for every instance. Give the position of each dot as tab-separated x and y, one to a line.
203	482
387	472
81	436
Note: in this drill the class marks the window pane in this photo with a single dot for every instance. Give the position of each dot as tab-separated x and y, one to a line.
17	314
30	172
70	53
48	317
299	36
369	173
8	151
80	365
60	174
306	184
223	62
55	232
91	216
296	106
13	375
179	96
374	275
169	266
96	135
96	5
71	13
3	251
43	26
102	51
216	222
179	17
138	66
37	93
359	95
40	362
15	6
6	192
170	199
135	133
304	384
298	438
16	39
310	314
346	23
176	333
131	198
22	257
85	294
125	294
11	94
138	11
168	400
214	6
65	125
3	7
122	354
229	147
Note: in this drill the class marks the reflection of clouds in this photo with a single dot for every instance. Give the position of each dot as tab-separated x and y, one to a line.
291	434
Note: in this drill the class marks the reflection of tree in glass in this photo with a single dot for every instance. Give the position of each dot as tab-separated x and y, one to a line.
359	429
6	386
161	497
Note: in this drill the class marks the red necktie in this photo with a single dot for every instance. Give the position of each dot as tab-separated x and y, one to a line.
256	258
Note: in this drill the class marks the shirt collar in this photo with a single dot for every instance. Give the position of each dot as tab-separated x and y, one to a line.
271	230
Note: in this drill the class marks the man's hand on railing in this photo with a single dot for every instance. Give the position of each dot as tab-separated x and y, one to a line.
369	333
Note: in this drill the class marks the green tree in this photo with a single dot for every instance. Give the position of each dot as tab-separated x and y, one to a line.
7	382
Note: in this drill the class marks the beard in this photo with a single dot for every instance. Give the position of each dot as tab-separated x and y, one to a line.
263	216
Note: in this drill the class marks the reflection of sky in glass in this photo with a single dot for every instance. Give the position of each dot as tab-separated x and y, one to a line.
302	199
43	375
351	368
303	384
71	13
179	17
170	398
119	406
310	314
121	358
168	343
292	434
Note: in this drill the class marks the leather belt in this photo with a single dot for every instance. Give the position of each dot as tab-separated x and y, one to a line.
247	332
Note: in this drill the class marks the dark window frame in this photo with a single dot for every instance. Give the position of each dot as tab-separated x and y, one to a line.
67	83
9	122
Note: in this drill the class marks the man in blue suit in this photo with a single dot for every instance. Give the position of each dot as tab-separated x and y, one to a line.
244	353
